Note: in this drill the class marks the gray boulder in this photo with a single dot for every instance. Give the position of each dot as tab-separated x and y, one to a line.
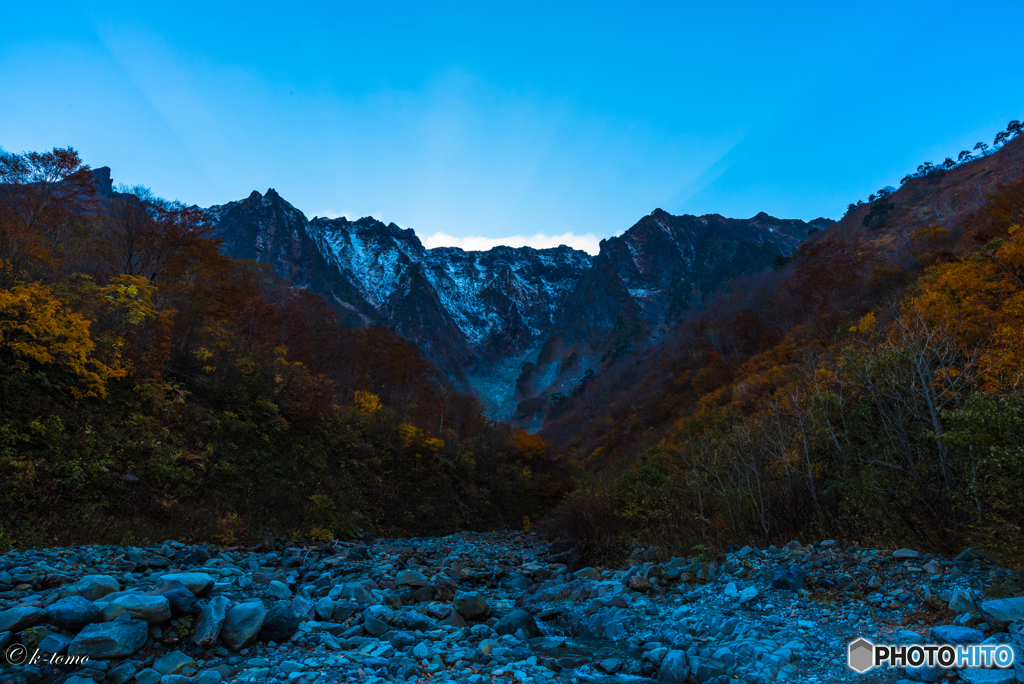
94	587
72	613
954	634
411	578
790	578
279	590
280	624
21	617
374	626
211	621
470	604
181	601
155	610
344	610
516	620
199	583
675	667
324	609
242	624
1001	612
110	639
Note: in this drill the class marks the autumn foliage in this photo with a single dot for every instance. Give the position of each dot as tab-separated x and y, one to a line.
151	386
869	390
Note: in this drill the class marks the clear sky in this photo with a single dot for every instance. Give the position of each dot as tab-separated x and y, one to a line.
476	123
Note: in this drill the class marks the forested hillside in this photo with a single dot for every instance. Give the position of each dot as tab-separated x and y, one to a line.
151	387
868	388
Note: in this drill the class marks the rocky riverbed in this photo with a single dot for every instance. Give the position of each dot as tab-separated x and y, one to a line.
486	608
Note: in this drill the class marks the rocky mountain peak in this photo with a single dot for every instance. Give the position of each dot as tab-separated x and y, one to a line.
513	324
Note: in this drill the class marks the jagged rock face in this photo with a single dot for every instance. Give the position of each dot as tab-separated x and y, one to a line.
512	324
666	264
494	302
268	229
654	272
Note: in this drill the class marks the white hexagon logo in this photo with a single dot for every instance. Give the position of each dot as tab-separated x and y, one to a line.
860	655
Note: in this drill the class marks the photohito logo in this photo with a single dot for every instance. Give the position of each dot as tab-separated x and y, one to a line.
862	655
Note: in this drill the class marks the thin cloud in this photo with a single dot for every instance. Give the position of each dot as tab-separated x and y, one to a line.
587	242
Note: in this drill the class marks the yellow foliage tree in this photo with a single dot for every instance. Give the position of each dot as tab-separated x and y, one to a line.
36	326
368	403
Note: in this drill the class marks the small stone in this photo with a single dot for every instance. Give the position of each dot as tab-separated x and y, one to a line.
411	578
121	674
324	608
147	676
516	620
905	554
470	604
374	626
675	667
209	677
172	663
279	590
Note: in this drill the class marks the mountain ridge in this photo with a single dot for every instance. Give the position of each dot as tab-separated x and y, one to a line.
511	324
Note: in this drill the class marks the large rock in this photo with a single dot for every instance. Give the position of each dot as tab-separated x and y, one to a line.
411	578
425	594
516	620
199	583
280	624
979	676
1001	612
953	634
961	602
905	554
303	608
110	639
675	667
72	613
22	617
242	624
94	587
181	600
470	604
413	620
211	621
786	577
155	610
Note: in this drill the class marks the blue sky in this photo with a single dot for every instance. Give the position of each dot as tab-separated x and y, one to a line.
519	123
